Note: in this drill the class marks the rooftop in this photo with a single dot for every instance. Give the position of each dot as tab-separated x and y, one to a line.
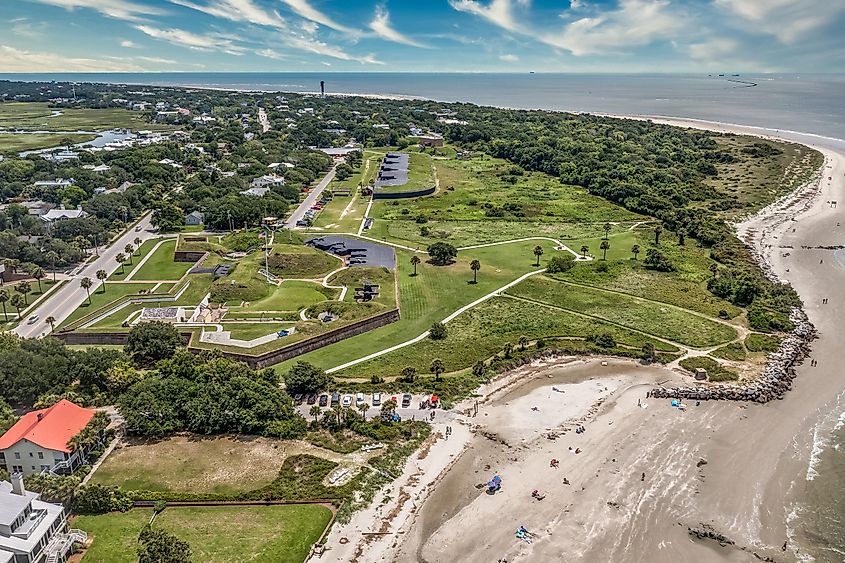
50	428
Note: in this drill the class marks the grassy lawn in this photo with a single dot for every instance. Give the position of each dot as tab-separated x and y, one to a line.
332	219
13	142
432	295
482	331
218	534
297	261
137	256
250	331
36	115
100	298
161	266
197	464
646	316
291	295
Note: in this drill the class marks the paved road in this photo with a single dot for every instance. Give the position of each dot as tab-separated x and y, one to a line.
312	198
262	119
65	300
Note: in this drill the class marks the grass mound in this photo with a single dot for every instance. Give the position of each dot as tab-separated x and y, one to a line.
290	261
715	372
762	343
734	351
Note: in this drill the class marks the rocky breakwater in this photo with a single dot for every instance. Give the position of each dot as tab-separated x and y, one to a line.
775	380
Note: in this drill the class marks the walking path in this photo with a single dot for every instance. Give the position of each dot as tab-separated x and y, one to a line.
467	307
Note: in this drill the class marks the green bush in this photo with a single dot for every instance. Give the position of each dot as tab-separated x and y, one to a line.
99	499
762	343
560	263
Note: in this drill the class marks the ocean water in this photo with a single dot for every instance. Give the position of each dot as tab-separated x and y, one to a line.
807	103
813	104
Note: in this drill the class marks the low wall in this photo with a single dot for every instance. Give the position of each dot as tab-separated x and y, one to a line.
188	255
381	194
101	338
314	343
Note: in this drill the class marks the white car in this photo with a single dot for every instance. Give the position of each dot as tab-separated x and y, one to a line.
359	398
347	400
376	399
32	319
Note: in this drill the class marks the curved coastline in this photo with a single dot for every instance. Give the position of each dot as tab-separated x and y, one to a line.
734	466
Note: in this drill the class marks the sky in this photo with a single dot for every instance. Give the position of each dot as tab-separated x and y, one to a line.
801	36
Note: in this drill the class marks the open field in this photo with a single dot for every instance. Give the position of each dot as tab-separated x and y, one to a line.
16	142
37	116
298	261
137	256
160	266
333	219
219	534
291	295
99	298
651	317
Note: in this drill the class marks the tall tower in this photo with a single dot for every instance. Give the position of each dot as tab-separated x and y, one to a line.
322	89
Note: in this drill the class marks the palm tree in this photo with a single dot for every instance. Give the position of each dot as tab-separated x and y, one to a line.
408	374
714	269
120	259
52	256
18	303
102	275
635	250
437	368
657	230
52	322
82	242
605	246
475	265
507	349
584	250
4	296
414	261
315	411
337	411
363	408
538	251
86	284
38	274
138	242
128	250
523	342
607	228
388	407
23	288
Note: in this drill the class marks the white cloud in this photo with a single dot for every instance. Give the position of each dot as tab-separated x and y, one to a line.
576	4
118	9
509	58
304	9
381	26
128	44
31	30
19	60
714	49
158	60
313	45
633	24
270	54
237	11
787	20
498	12
183	38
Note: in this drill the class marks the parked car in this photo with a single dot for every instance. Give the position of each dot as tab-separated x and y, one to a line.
324	400
406	400
32	319
138	229
376	399
312	398
359	398
335	399
297	399
347	400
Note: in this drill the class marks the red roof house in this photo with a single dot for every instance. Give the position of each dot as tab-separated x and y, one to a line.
50	428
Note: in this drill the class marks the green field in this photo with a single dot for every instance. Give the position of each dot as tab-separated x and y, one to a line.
137	256
650	317
298	261
291	295
17	142
36	116
160	266
216	534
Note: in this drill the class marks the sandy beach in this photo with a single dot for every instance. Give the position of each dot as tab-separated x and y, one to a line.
643	475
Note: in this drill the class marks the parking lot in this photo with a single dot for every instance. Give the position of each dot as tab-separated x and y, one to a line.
410	412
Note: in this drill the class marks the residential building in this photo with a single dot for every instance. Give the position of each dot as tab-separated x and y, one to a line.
256	192
58	183
194	218
431	140
268	180
31	530
60	214
38	441
61	156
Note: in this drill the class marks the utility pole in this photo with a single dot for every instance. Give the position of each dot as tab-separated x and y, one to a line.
231	225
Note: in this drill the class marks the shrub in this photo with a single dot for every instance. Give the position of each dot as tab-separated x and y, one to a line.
150	342
442	253
656	260
306	378
561	263
437	331
99	499
762	343
605	340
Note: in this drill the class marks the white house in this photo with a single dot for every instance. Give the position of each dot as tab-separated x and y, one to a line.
256	192
38	440
58	183
31	530
101	169
60	214
268	180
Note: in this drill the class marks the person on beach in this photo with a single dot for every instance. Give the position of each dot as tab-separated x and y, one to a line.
553	463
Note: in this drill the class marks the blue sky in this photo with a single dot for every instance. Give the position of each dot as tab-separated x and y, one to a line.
422	35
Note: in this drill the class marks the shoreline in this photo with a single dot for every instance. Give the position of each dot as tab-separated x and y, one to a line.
755	510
